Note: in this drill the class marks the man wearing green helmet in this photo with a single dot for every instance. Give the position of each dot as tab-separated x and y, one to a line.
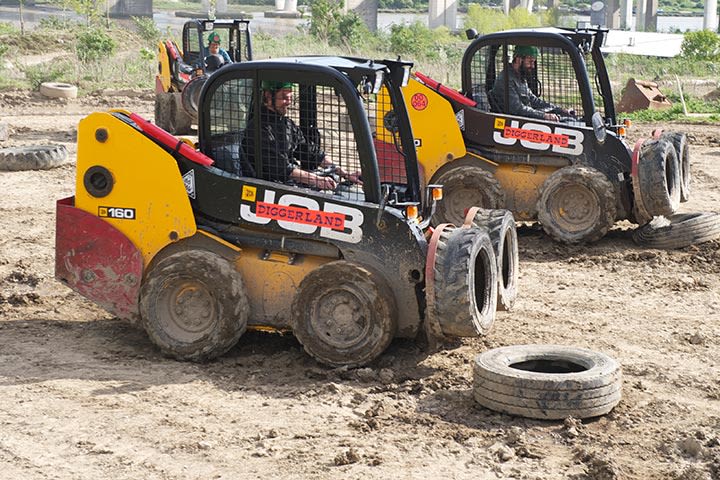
215	50
287	155
521	100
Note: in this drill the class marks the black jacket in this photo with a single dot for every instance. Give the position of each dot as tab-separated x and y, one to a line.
283	146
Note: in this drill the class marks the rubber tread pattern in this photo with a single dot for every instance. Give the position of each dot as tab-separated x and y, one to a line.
593	391
36	157
483	188
500	225
603	192
461	309
679	230
659	177
682	150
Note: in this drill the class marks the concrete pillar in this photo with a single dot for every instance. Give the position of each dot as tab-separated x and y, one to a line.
553	3
612	14
221	6
443	12
710	19
509	5
626	14
527	5
367	10
651	16
640	16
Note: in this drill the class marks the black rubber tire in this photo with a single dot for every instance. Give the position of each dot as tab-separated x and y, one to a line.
466	186
465	285
190	96
679	230
36	157
193	305
344	315
548	382
576	204
500	225
659	177
682	150
170	115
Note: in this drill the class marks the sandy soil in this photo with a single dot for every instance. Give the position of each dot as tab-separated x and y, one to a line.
86	396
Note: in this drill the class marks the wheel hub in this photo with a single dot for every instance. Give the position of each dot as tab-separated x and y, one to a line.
191	310
340	319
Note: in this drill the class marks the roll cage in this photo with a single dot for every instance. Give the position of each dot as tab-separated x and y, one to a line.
235	35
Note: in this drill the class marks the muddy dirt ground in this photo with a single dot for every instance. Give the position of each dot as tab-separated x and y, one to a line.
84	395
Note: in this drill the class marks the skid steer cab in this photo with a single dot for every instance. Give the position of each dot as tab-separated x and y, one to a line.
182	72
534	130
302	210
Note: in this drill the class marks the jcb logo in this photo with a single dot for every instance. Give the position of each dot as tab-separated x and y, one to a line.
539	137
304	215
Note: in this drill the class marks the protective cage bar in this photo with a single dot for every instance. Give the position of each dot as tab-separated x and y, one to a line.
302	135
553	80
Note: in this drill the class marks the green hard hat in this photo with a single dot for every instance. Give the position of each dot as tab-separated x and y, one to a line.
214	37
274	85
526	51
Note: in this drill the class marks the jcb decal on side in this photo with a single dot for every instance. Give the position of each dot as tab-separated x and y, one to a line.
539	137
305	215
116	212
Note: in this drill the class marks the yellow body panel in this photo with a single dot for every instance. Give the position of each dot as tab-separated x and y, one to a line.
522	184
163	75
147	185
438	139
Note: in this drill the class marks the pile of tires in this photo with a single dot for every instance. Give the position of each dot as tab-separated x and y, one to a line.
548	382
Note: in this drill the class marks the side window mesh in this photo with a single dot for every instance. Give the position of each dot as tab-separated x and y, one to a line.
230	107
386	137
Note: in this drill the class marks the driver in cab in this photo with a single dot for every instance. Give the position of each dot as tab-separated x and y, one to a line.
287	155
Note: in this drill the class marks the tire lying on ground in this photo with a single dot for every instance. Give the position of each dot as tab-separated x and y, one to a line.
679	230
682	150
500	225
548	382
58	90
659	177
35	157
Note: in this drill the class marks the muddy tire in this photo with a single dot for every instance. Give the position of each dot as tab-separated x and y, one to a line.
36	157
464	187
547	382
58	90
576	204
659	177
193	305
500	225
344	315
170	115
465	285
682	150
679	230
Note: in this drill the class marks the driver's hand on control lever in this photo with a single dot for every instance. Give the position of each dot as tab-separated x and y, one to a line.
326	183
551	117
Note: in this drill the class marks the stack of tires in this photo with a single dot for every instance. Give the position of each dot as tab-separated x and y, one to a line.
662	183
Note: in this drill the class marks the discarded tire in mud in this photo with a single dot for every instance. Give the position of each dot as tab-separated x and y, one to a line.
679	230
35	157
682	150
463	187
465	282
58	90
576	204
547	382
193	305
343	315
500	225
659	177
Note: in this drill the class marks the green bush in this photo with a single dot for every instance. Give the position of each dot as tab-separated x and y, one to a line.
329	25
701	45
53	72
3	50
93	44
147	30
7	28
418	41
